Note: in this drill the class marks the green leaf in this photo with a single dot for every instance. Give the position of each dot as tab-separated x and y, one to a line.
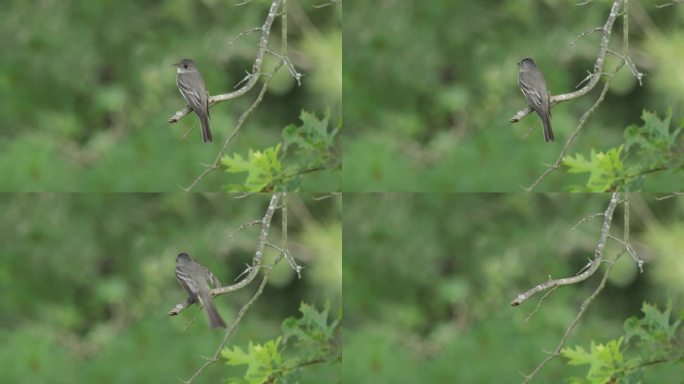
606	170
262	361
651	147
313	326
311	141
305	148
604	360
262	168
654	329
306	340
652	143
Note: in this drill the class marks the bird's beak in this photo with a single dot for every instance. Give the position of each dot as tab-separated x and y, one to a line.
175	65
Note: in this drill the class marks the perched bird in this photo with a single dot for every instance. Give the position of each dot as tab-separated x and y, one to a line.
195	279
191	85
533	86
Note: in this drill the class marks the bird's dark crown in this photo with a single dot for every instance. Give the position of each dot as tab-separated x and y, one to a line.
185	63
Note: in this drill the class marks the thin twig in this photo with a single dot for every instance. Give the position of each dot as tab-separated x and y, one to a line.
243	227
585	33
675	2
631	251
669	196
536	309
585	220
242	34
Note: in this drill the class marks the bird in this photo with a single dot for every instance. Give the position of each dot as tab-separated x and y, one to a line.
191	86
533	86
195	279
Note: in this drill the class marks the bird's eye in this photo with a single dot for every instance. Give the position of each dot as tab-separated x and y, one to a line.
185	66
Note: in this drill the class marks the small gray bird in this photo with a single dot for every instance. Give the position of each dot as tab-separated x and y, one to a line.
533	86
195	279
191	85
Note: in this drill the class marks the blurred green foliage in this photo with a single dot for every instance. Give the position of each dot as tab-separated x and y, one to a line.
649	340
429	91
649	148
309	340
87	89
86	282
428	281
311	148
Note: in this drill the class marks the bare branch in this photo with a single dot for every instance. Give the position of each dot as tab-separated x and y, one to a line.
630	64
585	33
671	195
675	2
243	227
331	2
585	304
536	309
288	64
243	34
586	220
253	269
595	263
575	321
261	244
630	249
327	196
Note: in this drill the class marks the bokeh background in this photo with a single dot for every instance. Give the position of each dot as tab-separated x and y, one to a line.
87	280
87	88
429	88
428	281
